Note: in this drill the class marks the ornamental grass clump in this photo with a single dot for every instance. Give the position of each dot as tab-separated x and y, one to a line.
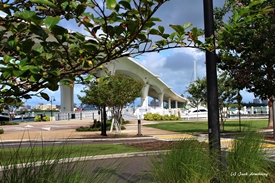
188	161
191	162
50	166
247	161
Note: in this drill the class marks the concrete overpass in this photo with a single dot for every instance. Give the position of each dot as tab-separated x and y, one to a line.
154	86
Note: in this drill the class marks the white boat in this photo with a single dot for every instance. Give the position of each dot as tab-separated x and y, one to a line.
199	112
4	116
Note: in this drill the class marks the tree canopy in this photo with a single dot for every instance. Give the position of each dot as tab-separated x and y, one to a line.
226	90
246	44
39	52
113	92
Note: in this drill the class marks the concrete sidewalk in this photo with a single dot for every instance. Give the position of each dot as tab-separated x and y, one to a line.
66	130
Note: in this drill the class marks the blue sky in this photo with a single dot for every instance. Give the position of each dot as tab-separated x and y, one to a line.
175	67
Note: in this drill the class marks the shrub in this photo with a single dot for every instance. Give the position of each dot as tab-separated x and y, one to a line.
1	131
9	123
158	117
44	118
96	126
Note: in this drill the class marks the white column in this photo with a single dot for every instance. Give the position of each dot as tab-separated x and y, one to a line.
176	104
169	103
144	98
67	98
160	98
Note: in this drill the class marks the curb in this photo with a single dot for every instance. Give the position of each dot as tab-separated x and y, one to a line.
80	139
85	158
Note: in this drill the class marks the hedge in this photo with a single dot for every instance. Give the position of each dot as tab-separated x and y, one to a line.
158	117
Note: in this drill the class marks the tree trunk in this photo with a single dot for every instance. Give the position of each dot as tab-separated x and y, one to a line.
270	110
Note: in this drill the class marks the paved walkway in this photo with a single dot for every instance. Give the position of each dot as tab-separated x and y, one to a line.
66	129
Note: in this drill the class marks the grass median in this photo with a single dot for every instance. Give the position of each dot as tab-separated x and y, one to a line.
34	153
202	126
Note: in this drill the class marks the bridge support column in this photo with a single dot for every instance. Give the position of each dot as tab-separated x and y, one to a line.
67	98
144	99
160	98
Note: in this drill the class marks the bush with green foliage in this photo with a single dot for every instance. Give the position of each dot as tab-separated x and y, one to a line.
158	117
9	123
1	131
44	118
96	126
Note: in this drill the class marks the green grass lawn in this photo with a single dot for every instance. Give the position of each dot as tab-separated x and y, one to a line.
30	154
202	126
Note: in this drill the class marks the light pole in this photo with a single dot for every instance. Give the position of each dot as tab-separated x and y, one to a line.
52	99
212	89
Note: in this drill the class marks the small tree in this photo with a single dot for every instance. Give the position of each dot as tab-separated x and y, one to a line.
246	43
198	93
226	92
114	91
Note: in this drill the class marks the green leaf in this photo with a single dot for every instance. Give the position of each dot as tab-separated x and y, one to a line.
34	69
45	96
43	2
179	29
51	21
58	30
18	73
155	19
6	74
8	100
38	31
27	45
165	36
54	72
161	29
25	14
35	78
111	4
187	25
125	4
236	16
80	9
53	86
26	96
154	32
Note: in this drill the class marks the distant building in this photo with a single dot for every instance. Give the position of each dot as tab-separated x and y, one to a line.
25	108
40	106
256	101
265	102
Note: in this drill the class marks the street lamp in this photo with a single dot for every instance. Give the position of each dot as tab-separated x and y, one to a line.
52	99
212	89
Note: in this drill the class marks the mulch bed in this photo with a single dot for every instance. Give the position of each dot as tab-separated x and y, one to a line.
156	145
